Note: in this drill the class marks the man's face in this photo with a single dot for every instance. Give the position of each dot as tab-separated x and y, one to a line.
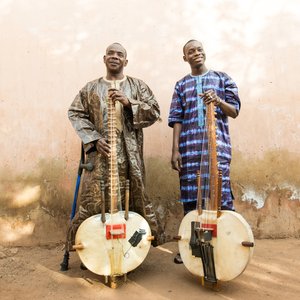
194	54
115	58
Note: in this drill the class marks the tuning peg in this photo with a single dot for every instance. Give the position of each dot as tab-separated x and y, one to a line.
78	247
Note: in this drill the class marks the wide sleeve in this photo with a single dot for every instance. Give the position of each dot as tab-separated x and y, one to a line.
145	109
176	111
79	116
231	93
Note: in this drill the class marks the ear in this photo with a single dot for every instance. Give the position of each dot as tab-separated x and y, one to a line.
125	62
184	58
104	58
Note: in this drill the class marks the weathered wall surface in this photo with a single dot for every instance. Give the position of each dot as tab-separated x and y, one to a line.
270	188
50	49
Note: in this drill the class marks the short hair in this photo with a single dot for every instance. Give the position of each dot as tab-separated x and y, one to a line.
116	43
187	44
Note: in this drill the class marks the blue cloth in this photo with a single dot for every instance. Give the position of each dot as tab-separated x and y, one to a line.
193	143
199	100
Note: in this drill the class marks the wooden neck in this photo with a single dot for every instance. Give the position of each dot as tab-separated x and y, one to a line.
213	162
113	165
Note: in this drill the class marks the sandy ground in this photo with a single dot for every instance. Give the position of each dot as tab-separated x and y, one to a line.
33	273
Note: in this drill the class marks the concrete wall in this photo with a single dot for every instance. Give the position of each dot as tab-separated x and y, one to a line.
50	49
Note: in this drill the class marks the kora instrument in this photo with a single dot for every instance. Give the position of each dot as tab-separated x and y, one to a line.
214	244
116	242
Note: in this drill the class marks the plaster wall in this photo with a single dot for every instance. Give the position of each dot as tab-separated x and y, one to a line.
50	49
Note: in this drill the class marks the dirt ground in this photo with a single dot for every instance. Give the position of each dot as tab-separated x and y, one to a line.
33	273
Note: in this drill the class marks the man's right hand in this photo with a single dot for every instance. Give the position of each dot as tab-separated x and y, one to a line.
176	161
103	147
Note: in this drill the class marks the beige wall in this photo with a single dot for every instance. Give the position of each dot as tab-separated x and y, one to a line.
50	49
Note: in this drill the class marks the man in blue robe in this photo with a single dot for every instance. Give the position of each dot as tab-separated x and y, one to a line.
187	117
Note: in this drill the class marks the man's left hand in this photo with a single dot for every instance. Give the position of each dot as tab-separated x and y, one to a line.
210	96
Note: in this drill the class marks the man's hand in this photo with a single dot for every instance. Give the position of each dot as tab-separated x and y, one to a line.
210	96
117	95
103	147
176	161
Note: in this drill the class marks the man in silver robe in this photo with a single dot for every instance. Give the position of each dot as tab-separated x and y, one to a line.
136	108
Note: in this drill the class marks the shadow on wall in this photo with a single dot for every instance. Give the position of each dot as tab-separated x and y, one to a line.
162	186
267	192
35	208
